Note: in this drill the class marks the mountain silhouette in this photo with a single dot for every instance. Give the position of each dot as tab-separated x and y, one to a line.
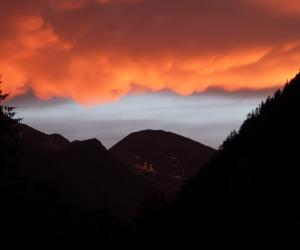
57	187
59	191
248	195
163	158
86	172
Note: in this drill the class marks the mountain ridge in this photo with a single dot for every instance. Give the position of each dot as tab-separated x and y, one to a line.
164	158
248	195
93	171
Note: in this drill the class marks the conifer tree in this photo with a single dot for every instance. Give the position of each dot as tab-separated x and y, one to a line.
8	130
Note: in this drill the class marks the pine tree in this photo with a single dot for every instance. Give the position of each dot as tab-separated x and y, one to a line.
8	130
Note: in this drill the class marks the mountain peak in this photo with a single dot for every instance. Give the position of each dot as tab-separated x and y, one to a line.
156	138
40	139
164	158
151	131
92	145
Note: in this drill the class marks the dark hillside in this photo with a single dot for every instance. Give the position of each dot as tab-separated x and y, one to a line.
248	196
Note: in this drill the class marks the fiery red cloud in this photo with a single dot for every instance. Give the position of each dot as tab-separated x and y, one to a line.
99	50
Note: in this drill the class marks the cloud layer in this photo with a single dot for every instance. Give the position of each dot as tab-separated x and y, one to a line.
100	50
205	117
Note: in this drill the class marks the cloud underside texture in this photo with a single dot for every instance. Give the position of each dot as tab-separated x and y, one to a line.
100	50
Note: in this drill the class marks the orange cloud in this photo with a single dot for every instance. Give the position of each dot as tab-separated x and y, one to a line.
100	50
291	6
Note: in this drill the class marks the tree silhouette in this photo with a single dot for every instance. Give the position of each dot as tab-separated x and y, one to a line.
8	130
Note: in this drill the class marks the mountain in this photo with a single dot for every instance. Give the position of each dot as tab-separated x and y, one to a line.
72	191
87	172
248	195
163	158
80	192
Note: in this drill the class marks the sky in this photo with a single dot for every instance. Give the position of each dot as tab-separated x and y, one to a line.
196	67
206	117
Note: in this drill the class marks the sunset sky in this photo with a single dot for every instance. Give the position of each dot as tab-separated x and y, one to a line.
103	68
